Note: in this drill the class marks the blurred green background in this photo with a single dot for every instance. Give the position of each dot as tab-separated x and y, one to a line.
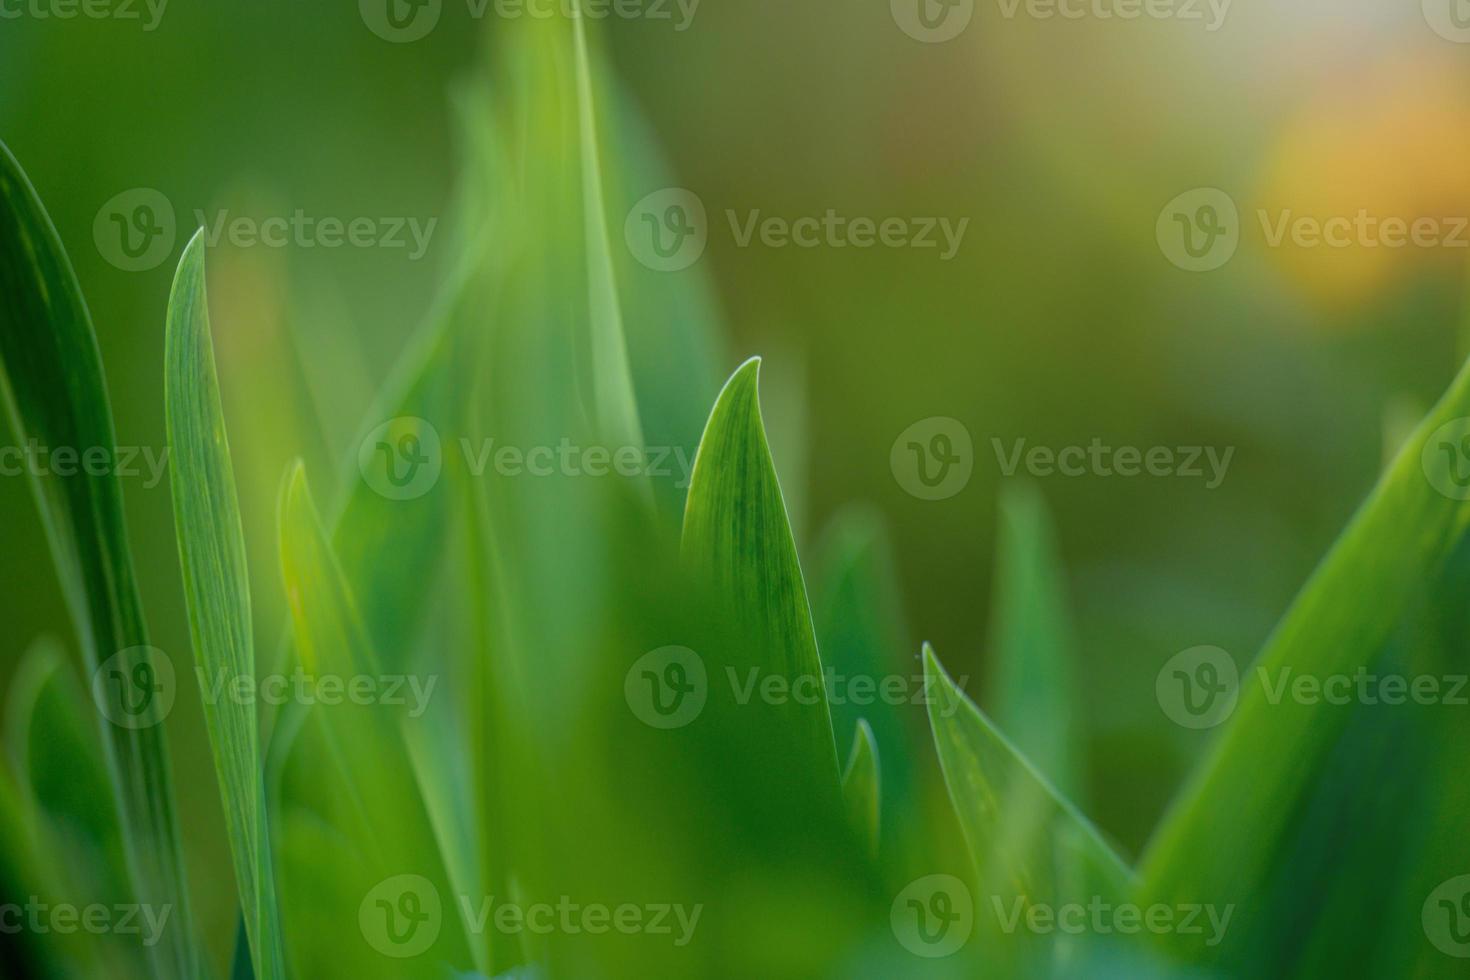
1059	320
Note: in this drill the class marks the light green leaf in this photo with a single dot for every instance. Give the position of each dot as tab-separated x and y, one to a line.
612	382
365	782
1031	643
217	596
738	541
1028	842
860	782
1234	821
53	388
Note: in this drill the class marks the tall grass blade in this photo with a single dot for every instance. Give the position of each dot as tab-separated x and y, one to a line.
1030	845
860	782
1034	680
739	544
217	595
54	391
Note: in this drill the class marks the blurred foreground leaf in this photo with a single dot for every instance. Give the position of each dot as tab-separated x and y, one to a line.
1244	807
54	391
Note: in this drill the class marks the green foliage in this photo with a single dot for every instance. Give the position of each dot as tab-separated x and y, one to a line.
217	594
53	388
535	615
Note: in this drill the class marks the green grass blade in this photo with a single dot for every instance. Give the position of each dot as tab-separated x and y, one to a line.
217	594
612	380
737	538
862	633
357	755
1230	824
53	388
860	782
1033	680
1027	841
671	320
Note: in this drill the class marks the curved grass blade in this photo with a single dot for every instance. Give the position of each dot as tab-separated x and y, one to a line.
366	782
738	542
53	388
1230	825
1030	845
860	782
1032	648
217	595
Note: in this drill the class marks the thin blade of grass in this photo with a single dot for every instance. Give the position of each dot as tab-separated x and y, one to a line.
862	634
860	782
1032	647
366	781
211	544
615	406
1030	845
